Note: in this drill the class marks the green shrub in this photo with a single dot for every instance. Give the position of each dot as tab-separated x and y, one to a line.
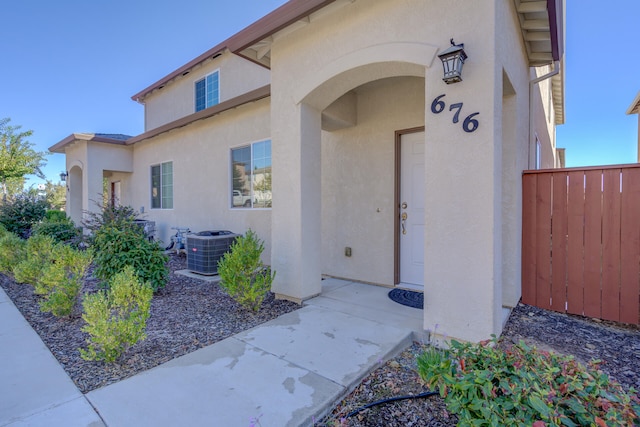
60	229
21	213
243	275
53	215
521	386
116	318
38	254
12	251
109	215
119	246
61	280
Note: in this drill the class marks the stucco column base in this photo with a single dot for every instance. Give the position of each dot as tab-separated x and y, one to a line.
295	220
293	299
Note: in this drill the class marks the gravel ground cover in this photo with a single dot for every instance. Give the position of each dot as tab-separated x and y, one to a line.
186	315
189	314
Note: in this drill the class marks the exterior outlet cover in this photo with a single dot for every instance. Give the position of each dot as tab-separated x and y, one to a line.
347	251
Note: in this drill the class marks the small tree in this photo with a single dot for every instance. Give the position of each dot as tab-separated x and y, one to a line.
17	156
243	275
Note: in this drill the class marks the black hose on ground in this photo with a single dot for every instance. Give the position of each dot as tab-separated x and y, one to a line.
392	399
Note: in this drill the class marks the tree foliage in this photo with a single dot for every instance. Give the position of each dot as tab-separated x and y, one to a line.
17	156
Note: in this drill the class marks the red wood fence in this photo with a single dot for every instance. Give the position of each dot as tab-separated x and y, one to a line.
581	241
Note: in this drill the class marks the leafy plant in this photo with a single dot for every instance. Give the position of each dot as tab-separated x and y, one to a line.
521	386
61	280
110	215
21	213
125	245
55	215
12	250
116	318
243	275
59	227
38	254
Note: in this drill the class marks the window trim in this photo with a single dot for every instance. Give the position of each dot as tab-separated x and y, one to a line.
160	164
199	79
230	183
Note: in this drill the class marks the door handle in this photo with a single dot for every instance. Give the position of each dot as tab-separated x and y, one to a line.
404	220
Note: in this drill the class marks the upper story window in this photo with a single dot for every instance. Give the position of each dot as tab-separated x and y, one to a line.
251	176
162	186
208	91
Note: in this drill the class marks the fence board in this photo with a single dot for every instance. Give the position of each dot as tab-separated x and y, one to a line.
592	242
529	244
575	247
611	245
581	241
630	247
559	229
543	241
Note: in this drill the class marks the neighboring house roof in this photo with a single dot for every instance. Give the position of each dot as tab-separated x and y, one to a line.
634	108
108	138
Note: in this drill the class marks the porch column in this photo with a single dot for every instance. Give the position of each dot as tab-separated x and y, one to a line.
92	189
463	207
295	231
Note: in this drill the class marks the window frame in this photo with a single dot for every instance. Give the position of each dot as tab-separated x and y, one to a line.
230	188
162	186
207	102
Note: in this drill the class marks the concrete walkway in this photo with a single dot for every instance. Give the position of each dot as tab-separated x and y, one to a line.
287	372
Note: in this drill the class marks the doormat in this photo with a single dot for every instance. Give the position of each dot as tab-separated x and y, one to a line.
408	298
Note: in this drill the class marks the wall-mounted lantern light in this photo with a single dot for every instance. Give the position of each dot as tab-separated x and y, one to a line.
452	61
63	176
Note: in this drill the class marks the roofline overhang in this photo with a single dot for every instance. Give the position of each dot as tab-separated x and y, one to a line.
555	9
634	108
254	95
282	17
60	146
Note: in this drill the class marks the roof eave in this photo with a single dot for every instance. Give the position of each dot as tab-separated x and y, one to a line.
285	15
254	95
634	108
60	146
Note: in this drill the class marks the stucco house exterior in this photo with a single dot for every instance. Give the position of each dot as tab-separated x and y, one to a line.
326	127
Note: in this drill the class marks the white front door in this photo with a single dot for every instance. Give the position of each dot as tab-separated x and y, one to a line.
412	186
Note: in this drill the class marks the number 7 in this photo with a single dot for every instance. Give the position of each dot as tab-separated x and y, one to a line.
459	107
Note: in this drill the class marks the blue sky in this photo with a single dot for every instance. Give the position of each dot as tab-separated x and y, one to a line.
72	65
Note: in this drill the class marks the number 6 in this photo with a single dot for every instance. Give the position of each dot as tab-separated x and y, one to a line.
437	106
470	124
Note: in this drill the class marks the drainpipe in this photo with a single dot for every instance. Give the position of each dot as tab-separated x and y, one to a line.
532	83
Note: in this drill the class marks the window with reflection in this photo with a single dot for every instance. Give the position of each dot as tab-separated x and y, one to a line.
251	176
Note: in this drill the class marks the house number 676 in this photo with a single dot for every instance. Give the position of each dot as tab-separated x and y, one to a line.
469	124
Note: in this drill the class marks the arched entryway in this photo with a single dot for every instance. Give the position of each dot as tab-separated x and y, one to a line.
334	150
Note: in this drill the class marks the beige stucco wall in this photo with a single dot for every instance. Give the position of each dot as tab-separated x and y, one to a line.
358	174
200	153
471	238
512	128
335	189
177	98
87	162
544	120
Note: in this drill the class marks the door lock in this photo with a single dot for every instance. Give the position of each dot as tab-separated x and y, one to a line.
404	205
